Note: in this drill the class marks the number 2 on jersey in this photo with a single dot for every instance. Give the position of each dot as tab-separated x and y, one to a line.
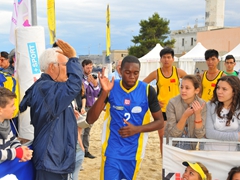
127	116
209	91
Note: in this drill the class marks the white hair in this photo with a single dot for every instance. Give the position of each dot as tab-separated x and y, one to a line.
47	57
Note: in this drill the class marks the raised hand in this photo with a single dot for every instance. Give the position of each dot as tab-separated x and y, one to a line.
197	107
104	81
66	48
188	112
92	80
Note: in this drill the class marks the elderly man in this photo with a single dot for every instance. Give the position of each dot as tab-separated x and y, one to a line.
116	74
52	115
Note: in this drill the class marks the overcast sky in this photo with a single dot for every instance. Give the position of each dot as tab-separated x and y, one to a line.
83	22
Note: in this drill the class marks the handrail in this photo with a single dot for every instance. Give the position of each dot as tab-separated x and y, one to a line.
171	139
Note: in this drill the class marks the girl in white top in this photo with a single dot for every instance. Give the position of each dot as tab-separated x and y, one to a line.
223	114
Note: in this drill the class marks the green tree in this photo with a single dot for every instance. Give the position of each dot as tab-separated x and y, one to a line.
154	30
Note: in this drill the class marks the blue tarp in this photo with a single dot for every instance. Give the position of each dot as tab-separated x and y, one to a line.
22	170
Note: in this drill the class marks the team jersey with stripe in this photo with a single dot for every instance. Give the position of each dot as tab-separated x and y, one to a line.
131	105
167	87
9	82
209	85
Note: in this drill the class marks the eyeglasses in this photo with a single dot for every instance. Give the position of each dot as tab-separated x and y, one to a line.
63	63
229	62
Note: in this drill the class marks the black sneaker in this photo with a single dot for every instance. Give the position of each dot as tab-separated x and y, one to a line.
88	155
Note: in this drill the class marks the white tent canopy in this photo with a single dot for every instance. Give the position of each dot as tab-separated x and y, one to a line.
152	55
236	53
187	62
150	61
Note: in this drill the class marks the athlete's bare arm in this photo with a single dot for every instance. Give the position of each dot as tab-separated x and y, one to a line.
201	89
223	74
151	77
130	129
181	73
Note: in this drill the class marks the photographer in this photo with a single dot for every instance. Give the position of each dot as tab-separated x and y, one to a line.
92	90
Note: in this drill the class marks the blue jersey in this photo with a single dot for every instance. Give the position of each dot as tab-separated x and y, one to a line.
131	105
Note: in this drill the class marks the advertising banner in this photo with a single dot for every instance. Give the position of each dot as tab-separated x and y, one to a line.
30	43
21	17
218	163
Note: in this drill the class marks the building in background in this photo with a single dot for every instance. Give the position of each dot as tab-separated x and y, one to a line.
116	54
186	38
99	59
222	39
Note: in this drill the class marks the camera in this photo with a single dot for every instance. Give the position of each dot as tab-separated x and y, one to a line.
94	76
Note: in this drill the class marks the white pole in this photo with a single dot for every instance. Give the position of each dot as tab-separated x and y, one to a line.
34	12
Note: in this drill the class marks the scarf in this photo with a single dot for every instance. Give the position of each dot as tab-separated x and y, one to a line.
5	129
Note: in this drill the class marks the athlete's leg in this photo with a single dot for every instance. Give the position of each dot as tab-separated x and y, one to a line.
130	169
161	133
109	169
117	169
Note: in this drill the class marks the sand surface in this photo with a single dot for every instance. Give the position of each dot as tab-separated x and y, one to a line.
151	168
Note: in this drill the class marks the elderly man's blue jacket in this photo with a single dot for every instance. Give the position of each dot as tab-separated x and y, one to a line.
55	127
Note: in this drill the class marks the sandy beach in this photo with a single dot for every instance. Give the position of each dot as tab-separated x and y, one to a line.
151	168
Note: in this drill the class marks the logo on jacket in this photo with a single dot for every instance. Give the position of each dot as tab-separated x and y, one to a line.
136	109
127	102
118	107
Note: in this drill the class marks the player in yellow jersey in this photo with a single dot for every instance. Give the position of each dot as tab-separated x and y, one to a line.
210	77
167	78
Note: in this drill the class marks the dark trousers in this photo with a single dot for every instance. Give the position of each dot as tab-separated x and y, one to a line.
86	135
85	138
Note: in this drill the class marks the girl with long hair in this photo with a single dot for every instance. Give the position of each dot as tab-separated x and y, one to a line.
223	115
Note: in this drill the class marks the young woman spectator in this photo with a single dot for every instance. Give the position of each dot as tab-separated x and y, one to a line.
234	173
186	113
195	171
223	115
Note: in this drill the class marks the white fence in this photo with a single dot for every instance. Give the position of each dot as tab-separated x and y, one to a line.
218	163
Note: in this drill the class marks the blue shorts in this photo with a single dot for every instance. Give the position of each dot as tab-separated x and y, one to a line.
118	169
